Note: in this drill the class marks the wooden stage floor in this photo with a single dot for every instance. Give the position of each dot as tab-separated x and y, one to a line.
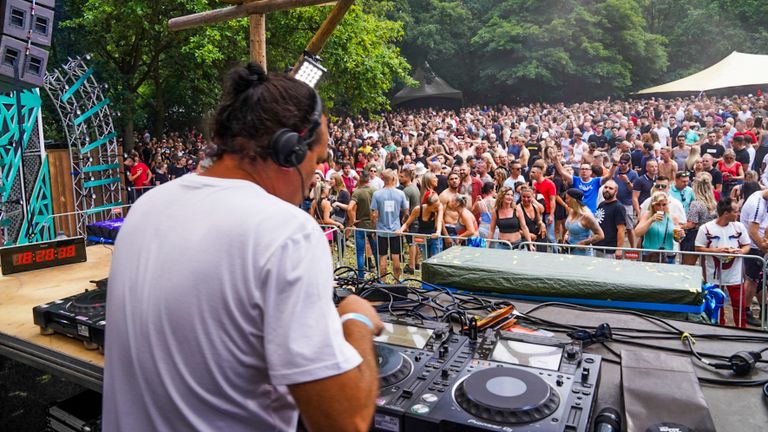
20	292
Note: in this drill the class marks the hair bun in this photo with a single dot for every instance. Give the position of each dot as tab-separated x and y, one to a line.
256	72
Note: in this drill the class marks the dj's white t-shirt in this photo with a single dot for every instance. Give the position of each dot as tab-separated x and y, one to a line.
219	296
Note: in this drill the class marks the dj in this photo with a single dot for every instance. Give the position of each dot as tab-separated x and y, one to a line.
220	299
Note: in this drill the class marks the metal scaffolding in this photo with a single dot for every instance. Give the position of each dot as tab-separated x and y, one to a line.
97	177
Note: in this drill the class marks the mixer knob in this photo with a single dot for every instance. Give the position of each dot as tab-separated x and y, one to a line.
445	373
571	353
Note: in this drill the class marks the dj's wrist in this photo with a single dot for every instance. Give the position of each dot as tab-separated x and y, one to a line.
353	316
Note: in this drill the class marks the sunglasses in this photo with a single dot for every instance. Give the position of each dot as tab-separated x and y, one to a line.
660	186
623	162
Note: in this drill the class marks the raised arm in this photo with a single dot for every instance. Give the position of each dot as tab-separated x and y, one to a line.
563	173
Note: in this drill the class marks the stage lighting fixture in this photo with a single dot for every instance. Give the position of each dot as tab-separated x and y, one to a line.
310	71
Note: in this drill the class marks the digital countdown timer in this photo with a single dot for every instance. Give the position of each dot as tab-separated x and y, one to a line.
36	256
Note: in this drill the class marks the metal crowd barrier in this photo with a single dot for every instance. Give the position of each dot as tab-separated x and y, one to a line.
663	256
336	240
407	240
70	223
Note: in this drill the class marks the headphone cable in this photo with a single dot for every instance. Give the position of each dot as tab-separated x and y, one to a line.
303	190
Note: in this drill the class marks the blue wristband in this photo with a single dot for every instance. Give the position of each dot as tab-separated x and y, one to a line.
357	317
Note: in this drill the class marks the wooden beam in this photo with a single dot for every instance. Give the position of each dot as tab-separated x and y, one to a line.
239	11
329	25
326	29
258	39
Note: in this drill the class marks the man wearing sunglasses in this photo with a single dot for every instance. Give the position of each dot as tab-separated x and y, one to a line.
676	208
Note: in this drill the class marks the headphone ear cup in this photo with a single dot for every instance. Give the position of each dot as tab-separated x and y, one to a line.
288	149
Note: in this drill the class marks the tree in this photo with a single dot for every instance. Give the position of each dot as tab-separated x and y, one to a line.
156	73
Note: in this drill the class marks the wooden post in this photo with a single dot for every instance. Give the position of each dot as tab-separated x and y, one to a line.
258	39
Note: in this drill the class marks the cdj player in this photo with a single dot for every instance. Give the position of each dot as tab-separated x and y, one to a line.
81	316
416	358
514	382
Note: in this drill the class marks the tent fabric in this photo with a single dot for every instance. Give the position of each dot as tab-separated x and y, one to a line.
557	277
736	70
430	86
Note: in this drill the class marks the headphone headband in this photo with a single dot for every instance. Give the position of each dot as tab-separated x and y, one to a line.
289	148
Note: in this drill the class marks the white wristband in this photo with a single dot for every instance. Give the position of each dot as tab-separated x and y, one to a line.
357	317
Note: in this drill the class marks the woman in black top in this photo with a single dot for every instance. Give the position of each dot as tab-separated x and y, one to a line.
532	214
507	217
430	217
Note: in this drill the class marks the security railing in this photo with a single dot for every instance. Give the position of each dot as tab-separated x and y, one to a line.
674	257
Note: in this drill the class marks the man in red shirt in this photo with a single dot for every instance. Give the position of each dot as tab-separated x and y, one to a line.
546	189
139	174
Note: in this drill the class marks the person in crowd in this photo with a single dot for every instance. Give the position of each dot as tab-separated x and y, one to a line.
508	217
701	210
458	221
658	228
681	191
546	189
581	225
754	216
359	217
533	213
454	182
139	175
406	177
642	187
726	235
388	206
612	217
482	209
160	174
339	197
589	185
427	218
732	171
707	165
276	258
667	167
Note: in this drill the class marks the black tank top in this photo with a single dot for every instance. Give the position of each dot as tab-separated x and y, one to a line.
426	226
509	225
533	226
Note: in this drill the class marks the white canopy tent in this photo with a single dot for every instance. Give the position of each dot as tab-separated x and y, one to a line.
736	70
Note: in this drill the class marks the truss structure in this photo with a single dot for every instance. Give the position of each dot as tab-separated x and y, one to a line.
97	177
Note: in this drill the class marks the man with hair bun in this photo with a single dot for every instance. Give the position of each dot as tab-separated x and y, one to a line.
234	328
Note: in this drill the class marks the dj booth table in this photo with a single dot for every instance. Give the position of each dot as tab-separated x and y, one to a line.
20	338
732	408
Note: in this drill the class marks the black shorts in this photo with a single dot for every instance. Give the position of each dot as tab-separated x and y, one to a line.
389	245
753	268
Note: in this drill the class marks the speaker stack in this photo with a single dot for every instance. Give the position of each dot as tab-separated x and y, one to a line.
27	34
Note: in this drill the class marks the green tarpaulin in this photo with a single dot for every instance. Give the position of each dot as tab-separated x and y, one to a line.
561	277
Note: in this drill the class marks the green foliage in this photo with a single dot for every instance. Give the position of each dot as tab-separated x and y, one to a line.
162	79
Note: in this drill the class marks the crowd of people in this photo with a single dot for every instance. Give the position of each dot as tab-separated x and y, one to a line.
589	179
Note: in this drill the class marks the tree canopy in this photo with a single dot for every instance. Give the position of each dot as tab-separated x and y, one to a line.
492	50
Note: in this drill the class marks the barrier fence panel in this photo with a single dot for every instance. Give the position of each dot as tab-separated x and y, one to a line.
413	249
722	262
336	242
108	212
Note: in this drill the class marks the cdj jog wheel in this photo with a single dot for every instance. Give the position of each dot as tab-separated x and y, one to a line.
393	366
506	395
89	302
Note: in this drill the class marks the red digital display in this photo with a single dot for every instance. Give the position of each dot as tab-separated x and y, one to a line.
34	256
43	255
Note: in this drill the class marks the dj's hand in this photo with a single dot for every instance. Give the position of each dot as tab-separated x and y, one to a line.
355	304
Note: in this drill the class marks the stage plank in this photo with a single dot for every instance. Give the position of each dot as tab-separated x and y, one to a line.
20	292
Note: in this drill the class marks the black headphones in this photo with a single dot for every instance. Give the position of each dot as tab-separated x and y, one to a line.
289	148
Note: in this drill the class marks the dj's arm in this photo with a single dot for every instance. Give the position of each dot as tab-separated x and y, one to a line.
345	402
